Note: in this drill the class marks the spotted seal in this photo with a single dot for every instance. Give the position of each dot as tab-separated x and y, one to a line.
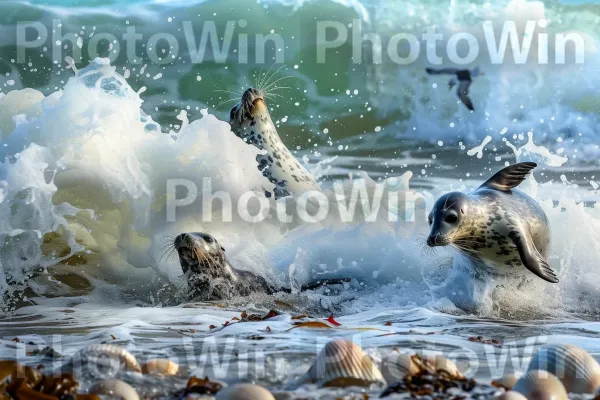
497	226
251	121
210	276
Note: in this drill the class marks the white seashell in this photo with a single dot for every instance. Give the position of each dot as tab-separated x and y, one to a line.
441	363
342	363
160	366
541	385
115	388
113	352
244	392
578	371
397	365
511	396
508	381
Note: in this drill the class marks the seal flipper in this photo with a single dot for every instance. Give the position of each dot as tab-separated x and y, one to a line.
509	177
532	259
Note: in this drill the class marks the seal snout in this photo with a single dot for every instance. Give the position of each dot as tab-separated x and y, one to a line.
182	241
250	97
437	240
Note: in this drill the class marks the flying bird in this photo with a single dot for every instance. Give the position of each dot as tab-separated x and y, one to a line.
462	77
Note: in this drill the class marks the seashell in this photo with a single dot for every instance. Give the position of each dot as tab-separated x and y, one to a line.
578	371
397	365
441	363
541	385
507	381
244	392
160	366
115	388
114	352
511	396
7	367
342	363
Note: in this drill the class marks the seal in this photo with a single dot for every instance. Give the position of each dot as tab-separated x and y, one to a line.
210	276
251	121
498	227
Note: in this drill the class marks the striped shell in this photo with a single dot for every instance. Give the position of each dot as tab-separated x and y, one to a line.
115	388
541	385
112	351
160	366
511	396
244	392
342	363
397	365
578	371
508	381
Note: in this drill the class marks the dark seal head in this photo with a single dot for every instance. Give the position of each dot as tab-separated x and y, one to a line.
208	273
250	119
210	276
446	217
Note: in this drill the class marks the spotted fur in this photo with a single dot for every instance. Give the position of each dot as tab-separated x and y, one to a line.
505	232
251	121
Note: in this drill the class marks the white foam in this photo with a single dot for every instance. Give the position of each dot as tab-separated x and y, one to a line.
89	166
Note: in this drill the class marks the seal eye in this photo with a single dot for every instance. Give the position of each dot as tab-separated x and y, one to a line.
209	239
430	220
451	219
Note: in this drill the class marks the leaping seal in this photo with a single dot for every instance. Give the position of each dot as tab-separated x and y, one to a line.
497	226
251	121
210	276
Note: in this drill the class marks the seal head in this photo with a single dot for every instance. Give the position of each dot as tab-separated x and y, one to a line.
245	115
251	121
446	217
208	272
211	277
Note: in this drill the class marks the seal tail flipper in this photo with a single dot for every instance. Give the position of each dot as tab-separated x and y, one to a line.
532	259
510	177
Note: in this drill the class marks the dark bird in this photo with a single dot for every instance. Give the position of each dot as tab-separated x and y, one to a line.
463	77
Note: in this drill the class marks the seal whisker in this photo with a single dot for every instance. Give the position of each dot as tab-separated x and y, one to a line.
271	90
264	77
224	102
237	93
259	77
268	82
277	81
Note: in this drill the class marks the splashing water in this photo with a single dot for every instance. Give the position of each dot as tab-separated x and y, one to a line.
88	200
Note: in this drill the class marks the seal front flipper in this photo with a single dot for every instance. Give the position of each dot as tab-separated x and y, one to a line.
510	177
532	259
